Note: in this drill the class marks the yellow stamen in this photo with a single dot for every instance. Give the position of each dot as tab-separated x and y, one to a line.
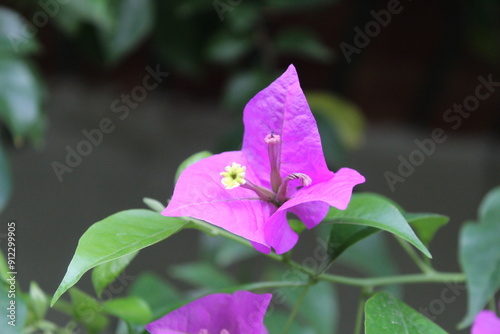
234	176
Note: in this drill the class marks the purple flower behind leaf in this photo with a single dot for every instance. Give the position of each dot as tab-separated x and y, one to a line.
239	313
486	322
280	168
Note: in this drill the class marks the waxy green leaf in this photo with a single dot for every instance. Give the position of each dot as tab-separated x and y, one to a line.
131	309
20	98
87	311
202	274
368	211
156	292
301	42
479	254
116	236
38	302
106	273
319	309
5	180
15	35
387	314
132	22
426	224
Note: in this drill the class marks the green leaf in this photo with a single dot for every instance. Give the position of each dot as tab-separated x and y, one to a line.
202	274
191	160
426	224
381	261
224	252
133	21
276	321
87	311
319	309
180	40
20	98
76	12
388	315
242	86
302	42
15	37
479	254
342	236
3	268
157	292
342	115
38	302
131	309
5	179
106	273
226	48
117	235
154	204
371	210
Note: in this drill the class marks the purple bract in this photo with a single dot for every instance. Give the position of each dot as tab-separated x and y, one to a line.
280	168
220	313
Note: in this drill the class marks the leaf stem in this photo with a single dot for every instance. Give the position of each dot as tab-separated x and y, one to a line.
295	309
436	277
361	311
415	257
429	275
266	285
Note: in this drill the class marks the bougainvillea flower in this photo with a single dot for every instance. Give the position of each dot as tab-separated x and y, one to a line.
280	168
240	313
486	322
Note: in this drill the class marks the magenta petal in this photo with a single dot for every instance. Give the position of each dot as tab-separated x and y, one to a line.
282	108
200	194
336	191
279	234
311	213
486	322
240	313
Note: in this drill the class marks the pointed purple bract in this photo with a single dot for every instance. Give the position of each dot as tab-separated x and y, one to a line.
281	109
239	313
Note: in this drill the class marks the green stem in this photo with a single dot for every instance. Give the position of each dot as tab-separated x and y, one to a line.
435	277
266	285
295	309
360	313
429	276
415	257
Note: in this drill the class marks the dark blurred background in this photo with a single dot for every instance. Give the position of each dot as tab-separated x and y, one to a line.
379	75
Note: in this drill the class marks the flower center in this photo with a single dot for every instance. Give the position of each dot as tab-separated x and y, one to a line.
234	176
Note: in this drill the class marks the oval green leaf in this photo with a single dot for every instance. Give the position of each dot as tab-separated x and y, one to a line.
426	224
116	236
371	210
479	254
131	309
387	314
106	273
20	98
